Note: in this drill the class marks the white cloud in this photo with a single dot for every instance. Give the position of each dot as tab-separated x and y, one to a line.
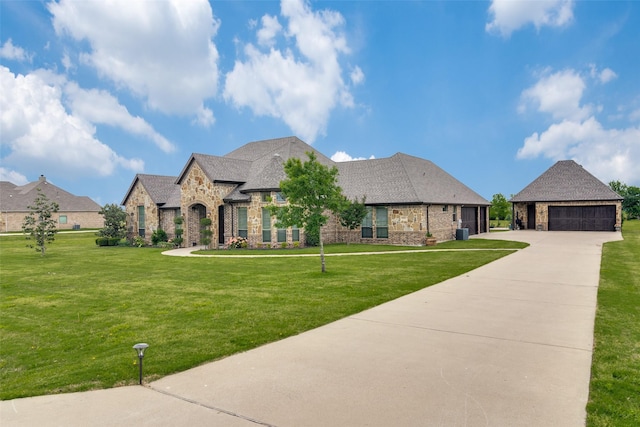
161	50
100	107
300	83
604	76
341	156
357	76
609	154
13	176
38	132
558	94
509	16
269	30
15	53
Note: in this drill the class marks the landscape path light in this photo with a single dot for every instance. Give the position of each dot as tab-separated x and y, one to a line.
140	348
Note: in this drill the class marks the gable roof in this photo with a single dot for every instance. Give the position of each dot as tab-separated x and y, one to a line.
162	189
566	181
286	148
14	198
404	179
399	179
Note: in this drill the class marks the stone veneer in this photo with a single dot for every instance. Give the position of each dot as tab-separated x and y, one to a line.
542	211
407	224
197	189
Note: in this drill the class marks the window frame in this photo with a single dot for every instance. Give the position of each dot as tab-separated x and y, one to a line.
243	225
141	221
266	226
382	226
367	224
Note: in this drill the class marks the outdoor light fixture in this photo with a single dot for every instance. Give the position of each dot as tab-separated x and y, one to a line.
140	348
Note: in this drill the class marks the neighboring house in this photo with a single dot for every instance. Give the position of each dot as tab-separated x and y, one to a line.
73	212
152	202
568	198
406	197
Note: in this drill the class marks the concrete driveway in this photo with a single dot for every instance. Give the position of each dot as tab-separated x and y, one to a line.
507	344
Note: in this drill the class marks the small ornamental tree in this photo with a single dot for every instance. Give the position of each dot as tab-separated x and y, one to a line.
311	189
115	222
352	214
39	225
178	220
205	232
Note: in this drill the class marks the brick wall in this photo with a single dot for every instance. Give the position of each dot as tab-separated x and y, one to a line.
12	221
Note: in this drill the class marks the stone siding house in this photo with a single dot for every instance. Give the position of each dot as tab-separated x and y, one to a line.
567	198
406	197
74	211
152	202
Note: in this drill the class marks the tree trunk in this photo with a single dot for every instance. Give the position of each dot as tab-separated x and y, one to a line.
321	251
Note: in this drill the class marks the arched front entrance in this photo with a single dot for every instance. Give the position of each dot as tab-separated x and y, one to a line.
194	214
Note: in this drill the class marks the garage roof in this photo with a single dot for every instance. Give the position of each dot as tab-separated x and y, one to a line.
566	181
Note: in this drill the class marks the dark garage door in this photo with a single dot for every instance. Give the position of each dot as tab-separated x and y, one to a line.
582	218
470	219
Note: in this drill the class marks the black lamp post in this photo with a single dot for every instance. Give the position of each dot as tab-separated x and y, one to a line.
140	349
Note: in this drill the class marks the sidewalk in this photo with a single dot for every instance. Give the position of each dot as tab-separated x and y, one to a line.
507	344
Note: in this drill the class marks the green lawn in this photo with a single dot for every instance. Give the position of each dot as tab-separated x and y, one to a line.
614	398
68	320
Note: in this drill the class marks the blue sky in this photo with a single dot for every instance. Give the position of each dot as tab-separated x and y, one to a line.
494	92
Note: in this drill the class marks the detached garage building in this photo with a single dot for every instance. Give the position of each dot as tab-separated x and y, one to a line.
567	198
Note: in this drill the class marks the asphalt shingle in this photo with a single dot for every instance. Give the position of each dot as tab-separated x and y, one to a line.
567	181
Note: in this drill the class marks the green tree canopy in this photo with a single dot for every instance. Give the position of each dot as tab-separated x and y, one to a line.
115	222
352	213
311	189
500	207
630	198
39	224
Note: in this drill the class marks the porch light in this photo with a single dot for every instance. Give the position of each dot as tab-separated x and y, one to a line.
140	348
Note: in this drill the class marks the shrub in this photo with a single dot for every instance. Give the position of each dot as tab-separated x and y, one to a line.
237	243
159	236
283	245
138	241
296	245
107	241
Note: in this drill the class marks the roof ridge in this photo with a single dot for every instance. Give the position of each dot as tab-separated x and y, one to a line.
404	168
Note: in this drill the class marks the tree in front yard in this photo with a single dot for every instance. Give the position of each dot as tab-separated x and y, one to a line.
39	225
311	189
115	222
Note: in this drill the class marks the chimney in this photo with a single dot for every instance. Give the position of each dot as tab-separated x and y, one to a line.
42	178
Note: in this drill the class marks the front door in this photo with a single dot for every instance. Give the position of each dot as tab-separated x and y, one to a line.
221	224
531	217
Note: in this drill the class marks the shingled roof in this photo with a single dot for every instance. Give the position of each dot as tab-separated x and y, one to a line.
18	198
162	189
404	179
566	181
399	179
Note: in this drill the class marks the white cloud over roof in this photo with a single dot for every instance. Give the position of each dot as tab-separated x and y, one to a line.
300	82
577	134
